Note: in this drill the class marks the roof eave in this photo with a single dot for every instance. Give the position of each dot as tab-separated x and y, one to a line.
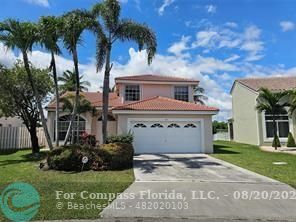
202	112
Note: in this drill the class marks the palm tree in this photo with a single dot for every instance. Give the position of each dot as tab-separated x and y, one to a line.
22	36
49	31
271	102
290	100
74	24
199	96
115	29
69	82
82	107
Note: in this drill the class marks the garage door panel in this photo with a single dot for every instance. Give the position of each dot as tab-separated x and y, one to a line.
166	136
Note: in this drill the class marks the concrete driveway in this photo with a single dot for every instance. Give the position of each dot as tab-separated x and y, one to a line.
200	187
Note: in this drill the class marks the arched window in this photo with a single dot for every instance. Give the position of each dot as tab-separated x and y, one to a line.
190	125
140	125
64	122
157	125
110	118
173	125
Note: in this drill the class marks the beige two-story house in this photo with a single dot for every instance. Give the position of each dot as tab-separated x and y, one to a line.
251	126
158	110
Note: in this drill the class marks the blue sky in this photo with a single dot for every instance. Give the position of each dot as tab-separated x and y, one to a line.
213	41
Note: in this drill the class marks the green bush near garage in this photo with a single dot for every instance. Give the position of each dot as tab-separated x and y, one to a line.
113	156
291	141
124	138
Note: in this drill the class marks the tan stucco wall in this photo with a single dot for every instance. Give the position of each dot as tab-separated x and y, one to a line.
245	116
122	126
151	90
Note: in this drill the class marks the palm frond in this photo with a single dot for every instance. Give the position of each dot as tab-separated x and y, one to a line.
109	10
129	30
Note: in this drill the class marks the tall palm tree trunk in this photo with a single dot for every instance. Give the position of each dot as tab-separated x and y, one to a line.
57	113
106	94
36	94
274	131
74	113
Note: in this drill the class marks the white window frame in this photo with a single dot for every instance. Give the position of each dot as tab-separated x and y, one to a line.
270	139
140	92
184	86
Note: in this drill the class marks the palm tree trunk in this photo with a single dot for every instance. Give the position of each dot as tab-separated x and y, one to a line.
77	136
36	94
106	94
57	115
274	131
75	60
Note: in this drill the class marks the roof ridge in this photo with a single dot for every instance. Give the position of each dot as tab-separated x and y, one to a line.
157	75
267	77
136	102
184	102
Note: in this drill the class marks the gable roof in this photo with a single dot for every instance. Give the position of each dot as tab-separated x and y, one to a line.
95	98
156	78
272	83
159	103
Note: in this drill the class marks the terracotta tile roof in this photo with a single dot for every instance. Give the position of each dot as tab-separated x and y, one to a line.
157	78
159	103
95	98
272	83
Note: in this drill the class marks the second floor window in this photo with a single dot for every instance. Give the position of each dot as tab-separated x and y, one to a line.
181	93
132	92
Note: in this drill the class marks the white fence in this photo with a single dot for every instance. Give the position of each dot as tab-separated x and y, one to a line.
18	138
222	136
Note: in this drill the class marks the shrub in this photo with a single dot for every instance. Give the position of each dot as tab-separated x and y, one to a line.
276	142
291	141
70	158
117	156
125	138
114	156
88	140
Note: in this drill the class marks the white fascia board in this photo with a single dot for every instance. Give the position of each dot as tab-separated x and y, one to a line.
165	112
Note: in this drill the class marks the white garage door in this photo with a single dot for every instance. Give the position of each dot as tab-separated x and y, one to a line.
166	136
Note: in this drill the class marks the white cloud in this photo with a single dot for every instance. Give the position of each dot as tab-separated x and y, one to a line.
287	26
178	48
231	24
232	58
43	3
164	5
211	9
252	43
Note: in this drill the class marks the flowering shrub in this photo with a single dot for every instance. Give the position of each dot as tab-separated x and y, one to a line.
88	139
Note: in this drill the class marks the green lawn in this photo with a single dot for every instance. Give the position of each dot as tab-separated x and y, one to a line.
252	158
21	167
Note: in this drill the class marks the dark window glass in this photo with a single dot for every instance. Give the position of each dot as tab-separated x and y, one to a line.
190	125
181	93
269	130
157	125
283	129
132	92
173	125
64	123
140	125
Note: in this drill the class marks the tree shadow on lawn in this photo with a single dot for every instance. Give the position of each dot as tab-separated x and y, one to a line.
221	149
23	158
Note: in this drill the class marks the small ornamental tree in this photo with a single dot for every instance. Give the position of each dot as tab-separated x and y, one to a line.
291	141
17	97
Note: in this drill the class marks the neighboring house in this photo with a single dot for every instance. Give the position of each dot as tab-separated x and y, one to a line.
158	110
249	125
11	122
